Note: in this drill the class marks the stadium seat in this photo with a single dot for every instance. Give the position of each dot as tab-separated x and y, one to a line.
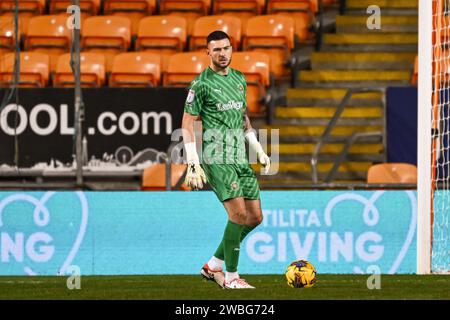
154	177
27	10
92	67
184	67
415	74
164	35
185	6
439	66
315	4
254	6
243	9
205	25
25	6
274	35
329	3
135	10
49	35
302	11
135	69
188	9
34	69
109	35
255	66
87	7
7	39
389	173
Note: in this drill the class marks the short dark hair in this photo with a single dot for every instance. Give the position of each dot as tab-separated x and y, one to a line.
216	35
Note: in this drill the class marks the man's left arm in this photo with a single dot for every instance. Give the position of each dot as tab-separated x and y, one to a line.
254	144
247	124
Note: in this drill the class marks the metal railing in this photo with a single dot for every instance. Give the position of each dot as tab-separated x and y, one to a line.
168	166
342	7
350	140
319	27
343	155
270	101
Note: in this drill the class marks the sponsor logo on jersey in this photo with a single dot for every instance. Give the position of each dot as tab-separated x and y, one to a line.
230	105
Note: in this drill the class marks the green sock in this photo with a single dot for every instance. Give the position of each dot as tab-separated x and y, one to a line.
231	245
219	254
246	231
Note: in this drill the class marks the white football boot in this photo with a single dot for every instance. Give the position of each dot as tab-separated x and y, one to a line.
237	283
214	275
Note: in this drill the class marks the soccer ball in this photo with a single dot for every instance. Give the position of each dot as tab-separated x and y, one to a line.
301	274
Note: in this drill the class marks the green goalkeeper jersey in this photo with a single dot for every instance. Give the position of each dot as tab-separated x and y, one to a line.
221	102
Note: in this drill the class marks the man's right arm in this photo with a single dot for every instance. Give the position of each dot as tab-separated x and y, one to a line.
188	127
189	137
195	177
192	109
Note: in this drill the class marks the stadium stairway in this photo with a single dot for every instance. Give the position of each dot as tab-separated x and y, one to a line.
351	57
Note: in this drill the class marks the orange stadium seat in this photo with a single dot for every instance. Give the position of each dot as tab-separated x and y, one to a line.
34	69
27	10
439	65
255	7
415	74
92	68
274	35
315	5
289	6
301	10
109	35
184	67
205	25
164	35
135	69
33	6
7	38
256	68
188	9
135	10
154	177
392	173
201	7
49	35
87	7
328	3
243	9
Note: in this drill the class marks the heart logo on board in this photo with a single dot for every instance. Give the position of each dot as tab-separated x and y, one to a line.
18	247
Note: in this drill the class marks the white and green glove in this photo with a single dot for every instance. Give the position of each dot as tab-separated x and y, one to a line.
263	158
195	176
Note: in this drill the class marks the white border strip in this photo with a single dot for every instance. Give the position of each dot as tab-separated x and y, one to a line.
424	137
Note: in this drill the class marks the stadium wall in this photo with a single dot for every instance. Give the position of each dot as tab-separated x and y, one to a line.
401	124
117	233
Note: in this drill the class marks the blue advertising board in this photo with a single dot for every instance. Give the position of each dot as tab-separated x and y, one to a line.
115	233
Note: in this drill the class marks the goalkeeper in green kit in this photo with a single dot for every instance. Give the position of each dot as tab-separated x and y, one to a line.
217	97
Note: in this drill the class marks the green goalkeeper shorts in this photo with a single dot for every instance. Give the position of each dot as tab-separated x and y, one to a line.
232	181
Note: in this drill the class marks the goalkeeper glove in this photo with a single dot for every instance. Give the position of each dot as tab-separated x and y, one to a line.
195	176
263	158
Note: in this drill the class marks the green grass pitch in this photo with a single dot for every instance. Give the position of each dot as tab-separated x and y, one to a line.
191	287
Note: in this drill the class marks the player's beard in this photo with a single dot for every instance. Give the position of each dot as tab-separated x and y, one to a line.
219	66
